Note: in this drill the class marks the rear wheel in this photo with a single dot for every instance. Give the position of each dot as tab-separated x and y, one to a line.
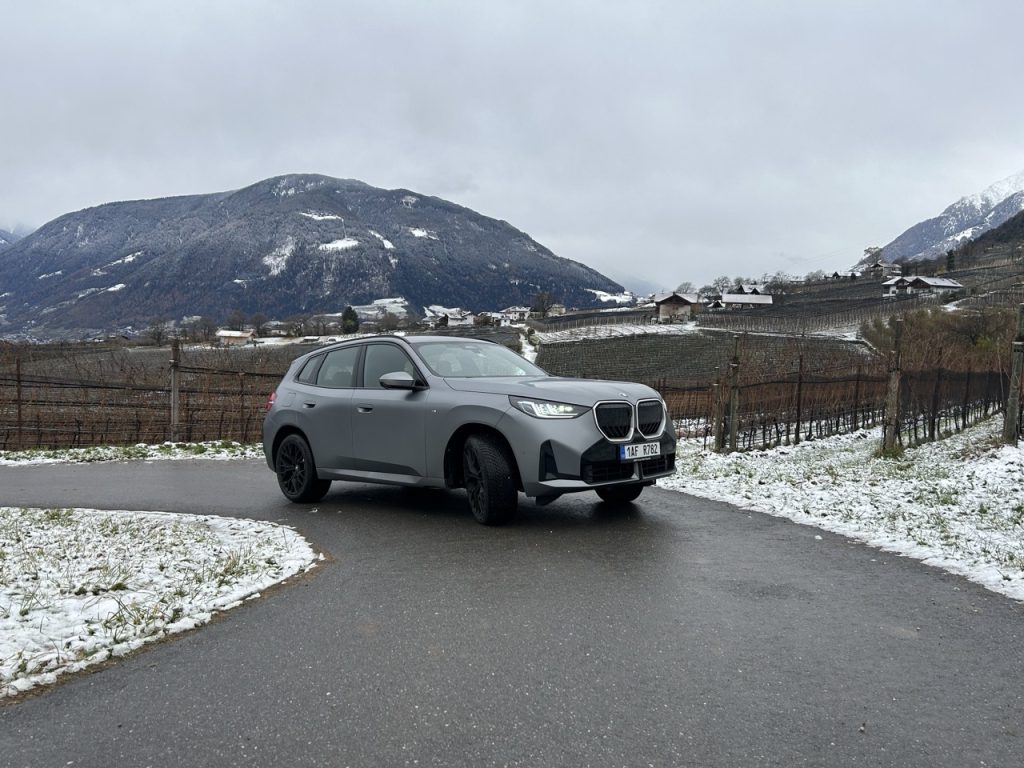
296	474
487	468
620	494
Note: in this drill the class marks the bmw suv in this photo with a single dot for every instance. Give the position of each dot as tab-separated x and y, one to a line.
451	412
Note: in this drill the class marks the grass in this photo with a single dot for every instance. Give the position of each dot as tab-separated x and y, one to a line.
77	586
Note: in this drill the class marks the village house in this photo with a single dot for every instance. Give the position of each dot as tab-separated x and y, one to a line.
516	314
234	338
675	307
744	300
883	269
912	285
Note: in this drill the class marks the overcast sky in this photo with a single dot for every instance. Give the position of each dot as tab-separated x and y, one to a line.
670	141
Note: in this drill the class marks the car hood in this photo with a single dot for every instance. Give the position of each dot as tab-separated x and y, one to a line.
575	391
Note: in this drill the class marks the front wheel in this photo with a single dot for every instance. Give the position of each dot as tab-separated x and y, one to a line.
487	469
620	494
296	473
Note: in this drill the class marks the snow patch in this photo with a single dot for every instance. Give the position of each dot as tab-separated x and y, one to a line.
58	273
339	245
619	298
277	259
321	216
388	245
116	288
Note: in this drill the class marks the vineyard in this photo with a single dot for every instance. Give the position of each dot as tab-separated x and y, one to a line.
740	392
73	396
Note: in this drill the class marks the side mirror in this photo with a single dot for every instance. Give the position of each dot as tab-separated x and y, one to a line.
398	380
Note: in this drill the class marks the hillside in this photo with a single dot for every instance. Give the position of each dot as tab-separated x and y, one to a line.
7	239
959	223
285	246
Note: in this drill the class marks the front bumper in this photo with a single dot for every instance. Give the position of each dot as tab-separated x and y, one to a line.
556	457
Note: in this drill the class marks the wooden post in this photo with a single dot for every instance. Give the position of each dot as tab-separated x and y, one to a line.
17	398
175	387
1011	418
734	395
856	401
891	427
241	407
799	399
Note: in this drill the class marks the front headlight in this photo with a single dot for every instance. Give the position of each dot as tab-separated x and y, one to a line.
546	409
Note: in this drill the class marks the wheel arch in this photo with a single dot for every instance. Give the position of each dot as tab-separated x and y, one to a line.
453	453
282	433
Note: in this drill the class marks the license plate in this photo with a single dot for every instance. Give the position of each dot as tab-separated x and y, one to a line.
639	451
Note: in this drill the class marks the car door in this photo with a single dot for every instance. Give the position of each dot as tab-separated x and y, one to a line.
325	408
388	425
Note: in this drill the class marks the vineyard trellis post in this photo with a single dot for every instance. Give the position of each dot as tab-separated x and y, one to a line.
17	398
175	388
891	425
799	399
734	395
1011	419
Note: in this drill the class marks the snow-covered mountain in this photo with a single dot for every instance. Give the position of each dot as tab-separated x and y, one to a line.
7	238
961	222
290	245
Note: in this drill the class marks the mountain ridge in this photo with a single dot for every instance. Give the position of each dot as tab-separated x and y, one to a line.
284	246
960	222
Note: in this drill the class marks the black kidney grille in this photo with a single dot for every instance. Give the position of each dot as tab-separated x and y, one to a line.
615	420
650	417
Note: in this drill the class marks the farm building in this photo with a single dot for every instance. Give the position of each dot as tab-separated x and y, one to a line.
674	307
912	286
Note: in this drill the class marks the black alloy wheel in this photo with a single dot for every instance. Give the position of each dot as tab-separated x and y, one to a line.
296	473
490	481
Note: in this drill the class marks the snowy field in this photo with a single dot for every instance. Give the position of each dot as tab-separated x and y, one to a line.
614	330
78	586
957	504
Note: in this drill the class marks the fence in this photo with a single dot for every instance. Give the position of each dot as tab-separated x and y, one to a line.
787	410
47	410
57	401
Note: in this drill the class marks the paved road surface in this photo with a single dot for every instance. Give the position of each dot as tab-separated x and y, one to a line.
681	633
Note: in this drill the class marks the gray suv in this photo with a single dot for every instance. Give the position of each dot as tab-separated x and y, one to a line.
449	412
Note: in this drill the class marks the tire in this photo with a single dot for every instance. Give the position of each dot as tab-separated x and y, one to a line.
620	494
296	472
487	469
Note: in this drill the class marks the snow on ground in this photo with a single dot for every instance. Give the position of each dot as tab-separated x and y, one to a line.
619	298
613	330
220	449
79	586
339	245
957	504
388	245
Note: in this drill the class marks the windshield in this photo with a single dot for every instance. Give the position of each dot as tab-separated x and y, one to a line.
473	359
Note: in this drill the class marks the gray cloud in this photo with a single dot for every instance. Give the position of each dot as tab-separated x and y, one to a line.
667	140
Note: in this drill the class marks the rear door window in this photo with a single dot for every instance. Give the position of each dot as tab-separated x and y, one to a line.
308	373
339	368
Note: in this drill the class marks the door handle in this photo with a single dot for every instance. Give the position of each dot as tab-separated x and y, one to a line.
308	404
365	408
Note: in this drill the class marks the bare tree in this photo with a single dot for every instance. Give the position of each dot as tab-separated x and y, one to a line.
543	302
258	321
157	330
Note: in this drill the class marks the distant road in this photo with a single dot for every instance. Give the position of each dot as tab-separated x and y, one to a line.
682	633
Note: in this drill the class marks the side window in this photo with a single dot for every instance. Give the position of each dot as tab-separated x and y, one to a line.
384	358
338	370
308	373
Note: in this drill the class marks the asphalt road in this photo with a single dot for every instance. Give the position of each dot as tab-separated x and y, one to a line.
679	633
